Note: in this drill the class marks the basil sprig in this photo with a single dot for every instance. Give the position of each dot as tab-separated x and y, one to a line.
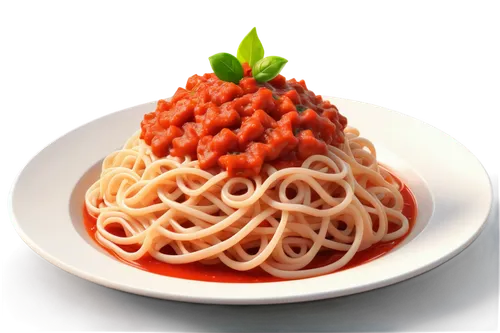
268	68
226	67
251	47
229	68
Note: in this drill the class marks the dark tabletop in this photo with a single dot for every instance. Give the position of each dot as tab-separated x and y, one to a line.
461	293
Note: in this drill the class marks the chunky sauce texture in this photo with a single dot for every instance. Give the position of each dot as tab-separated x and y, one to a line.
238	127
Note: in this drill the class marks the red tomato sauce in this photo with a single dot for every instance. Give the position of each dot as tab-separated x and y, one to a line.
238	127
221	273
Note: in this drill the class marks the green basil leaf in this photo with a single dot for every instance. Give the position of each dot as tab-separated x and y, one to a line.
250	49
226	67
300	108
268	68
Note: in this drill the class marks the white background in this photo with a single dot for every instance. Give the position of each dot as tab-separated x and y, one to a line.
68	124
426	116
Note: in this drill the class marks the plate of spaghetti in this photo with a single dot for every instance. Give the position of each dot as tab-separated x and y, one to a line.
244	187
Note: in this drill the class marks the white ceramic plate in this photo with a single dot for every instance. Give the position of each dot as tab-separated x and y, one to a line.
452	190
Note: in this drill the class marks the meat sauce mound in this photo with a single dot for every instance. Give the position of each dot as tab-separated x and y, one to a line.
239	127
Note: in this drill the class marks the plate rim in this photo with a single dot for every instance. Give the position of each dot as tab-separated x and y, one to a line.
236	300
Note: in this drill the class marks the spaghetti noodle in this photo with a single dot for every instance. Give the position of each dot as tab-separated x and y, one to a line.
278	220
